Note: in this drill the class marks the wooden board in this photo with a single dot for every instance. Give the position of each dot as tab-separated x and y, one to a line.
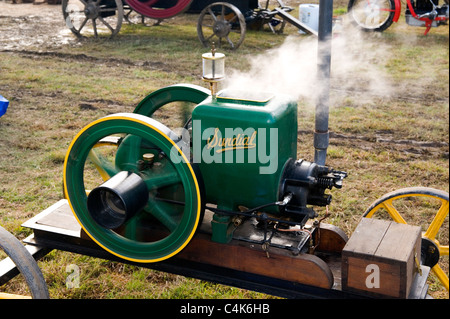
281	264
330	239
379	258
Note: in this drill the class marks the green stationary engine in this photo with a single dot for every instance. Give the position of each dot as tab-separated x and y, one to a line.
140	190
246	148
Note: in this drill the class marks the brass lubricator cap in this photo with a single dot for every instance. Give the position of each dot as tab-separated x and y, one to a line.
148	157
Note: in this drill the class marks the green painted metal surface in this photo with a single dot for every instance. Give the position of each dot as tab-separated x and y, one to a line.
168	180
244	147
173	93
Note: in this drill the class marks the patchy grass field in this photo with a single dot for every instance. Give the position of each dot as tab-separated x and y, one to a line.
389	122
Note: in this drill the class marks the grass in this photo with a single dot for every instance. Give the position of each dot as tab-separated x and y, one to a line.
377	132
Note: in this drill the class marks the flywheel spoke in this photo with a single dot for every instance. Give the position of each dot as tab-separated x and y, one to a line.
162	214
105	168
162	180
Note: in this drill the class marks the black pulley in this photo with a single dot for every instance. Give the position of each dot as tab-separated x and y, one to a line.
118	199
429	253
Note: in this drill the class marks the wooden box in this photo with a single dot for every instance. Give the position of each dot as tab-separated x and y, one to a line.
380	258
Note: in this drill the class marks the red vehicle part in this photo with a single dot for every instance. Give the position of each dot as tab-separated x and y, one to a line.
428	21
158	9
367	12
398	10
374	15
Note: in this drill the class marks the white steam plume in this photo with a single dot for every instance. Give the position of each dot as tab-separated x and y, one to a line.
292	67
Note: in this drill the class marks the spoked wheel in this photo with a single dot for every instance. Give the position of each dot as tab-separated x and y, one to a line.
428	208
372	15
173	104
276	25
26	265
159	9
263	15
134	17
149	207
223	24
93	17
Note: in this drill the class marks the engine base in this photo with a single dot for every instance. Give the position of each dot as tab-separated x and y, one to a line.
239	263
57	228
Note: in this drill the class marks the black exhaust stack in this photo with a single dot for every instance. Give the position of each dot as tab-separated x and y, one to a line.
321	134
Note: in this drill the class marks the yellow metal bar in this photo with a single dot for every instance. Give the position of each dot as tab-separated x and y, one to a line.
97	163
443	250
393	212
12	296
441	275
437	221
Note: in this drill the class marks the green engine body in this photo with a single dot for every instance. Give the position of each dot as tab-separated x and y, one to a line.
244	147
149	186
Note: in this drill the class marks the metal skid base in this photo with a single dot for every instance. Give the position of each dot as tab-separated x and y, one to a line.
57	228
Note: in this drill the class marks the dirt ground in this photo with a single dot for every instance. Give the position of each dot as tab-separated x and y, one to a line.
21	23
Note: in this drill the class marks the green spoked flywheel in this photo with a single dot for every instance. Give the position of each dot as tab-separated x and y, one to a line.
136	146
172	105
173	93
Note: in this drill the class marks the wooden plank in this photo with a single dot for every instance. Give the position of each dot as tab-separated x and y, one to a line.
407	241
359	277
403	236
304	268
215	274
367	236
44	220
311	266
330	239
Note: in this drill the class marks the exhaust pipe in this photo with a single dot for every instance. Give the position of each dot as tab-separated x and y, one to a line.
118	199
321	134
